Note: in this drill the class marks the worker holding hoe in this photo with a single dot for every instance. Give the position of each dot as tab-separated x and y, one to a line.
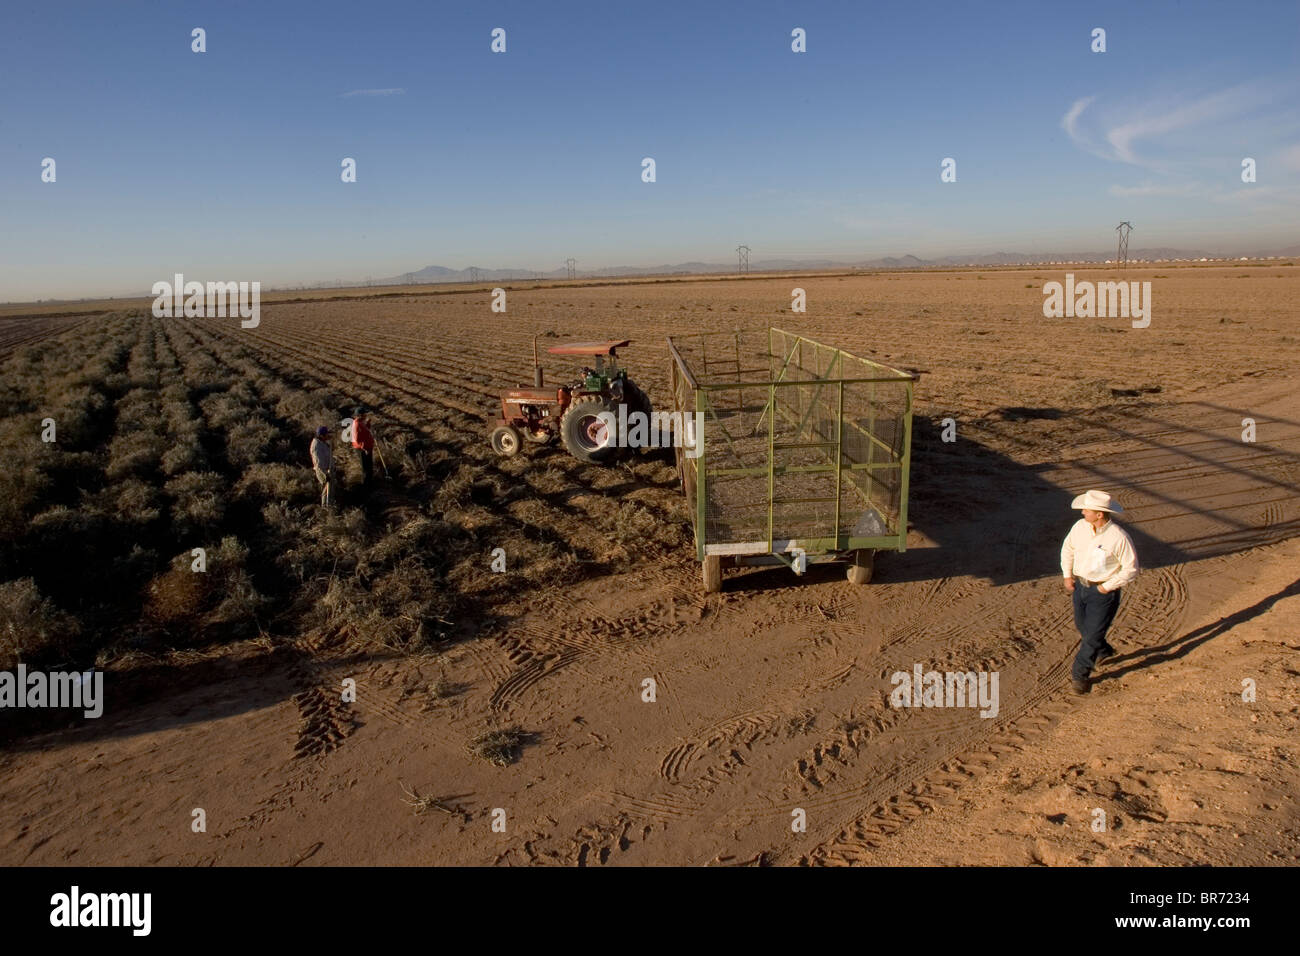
1097	560
322	462
364	442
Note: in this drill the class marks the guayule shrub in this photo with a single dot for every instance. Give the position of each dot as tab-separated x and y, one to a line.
134	453
279	482
198	502
32	629
219	603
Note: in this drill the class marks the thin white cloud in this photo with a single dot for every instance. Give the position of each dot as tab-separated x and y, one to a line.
1180	142
393	91
1070	121
1213	193
1216	106
1252	193
1118	134
1149	188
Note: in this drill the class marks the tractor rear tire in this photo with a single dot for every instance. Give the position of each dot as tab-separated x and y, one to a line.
581	431
505	441
712	574
863	566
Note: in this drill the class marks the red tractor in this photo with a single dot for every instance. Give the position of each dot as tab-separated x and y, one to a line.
573	411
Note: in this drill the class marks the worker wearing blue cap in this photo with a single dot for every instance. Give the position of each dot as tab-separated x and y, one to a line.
322	462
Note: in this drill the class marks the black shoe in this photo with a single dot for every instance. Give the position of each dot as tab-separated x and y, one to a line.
1105	652
1079	686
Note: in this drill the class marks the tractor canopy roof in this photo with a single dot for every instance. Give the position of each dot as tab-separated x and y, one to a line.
588	348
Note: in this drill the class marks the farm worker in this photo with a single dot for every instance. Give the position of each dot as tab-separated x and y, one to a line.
1097	560
322	462
364	442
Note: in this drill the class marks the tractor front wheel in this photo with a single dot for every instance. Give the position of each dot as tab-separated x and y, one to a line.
505	441
586	435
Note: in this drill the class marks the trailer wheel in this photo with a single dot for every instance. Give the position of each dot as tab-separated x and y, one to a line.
864	563
505	441
712	574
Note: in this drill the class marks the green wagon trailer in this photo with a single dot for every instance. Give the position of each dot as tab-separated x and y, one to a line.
801	454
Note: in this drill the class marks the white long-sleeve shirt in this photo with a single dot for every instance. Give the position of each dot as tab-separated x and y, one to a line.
321	456
1107	555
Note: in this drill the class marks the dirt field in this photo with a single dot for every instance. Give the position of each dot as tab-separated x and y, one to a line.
26	330
772	697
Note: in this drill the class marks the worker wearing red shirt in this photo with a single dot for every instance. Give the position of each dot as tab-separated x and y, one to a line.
364	442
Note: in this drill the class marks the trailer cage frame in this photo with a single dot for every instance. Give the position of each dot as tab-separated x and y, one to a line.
801	452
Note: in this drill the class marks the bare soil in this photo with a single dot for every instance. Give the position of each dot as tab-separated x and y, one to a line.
773	696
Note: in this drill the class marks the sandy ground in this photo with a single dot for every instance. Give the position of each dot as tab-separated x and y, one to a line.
772	698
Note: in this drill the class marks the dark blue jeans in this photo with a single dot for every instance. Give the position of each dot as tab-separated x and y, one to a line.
1093	612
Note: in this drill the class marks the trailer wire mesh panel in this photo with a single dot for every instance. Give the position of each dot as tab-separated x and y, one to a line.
800	446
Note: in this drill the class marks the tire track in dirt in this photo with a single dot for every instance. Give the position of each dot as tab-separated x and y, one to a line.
1270	520
716	743
324	723
325	720
749	725
489	656
655	807
724	744
545	647
374	697
971	652
862	798
905	795
962	619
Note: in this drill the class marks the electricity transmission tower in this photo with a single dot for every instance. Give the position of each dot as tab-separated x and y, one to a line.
473	273
742	253
1121	257
571	268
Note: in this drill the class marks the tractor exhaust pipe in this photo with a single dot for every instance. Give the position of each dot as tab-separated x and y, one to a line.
537	369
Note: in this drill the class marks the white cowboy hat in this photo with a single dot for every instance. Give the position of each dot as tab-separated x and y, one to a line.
1096	501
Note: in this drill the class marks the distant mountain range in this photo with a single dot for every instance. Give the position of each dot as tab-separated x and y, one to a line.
435	274
482	274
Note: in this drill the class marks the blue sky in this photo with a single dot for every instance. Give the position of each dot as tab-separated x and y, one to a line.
225	164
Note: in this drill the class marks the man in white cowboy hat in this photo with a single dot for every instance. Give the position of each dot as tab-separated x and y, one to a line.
1097	559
